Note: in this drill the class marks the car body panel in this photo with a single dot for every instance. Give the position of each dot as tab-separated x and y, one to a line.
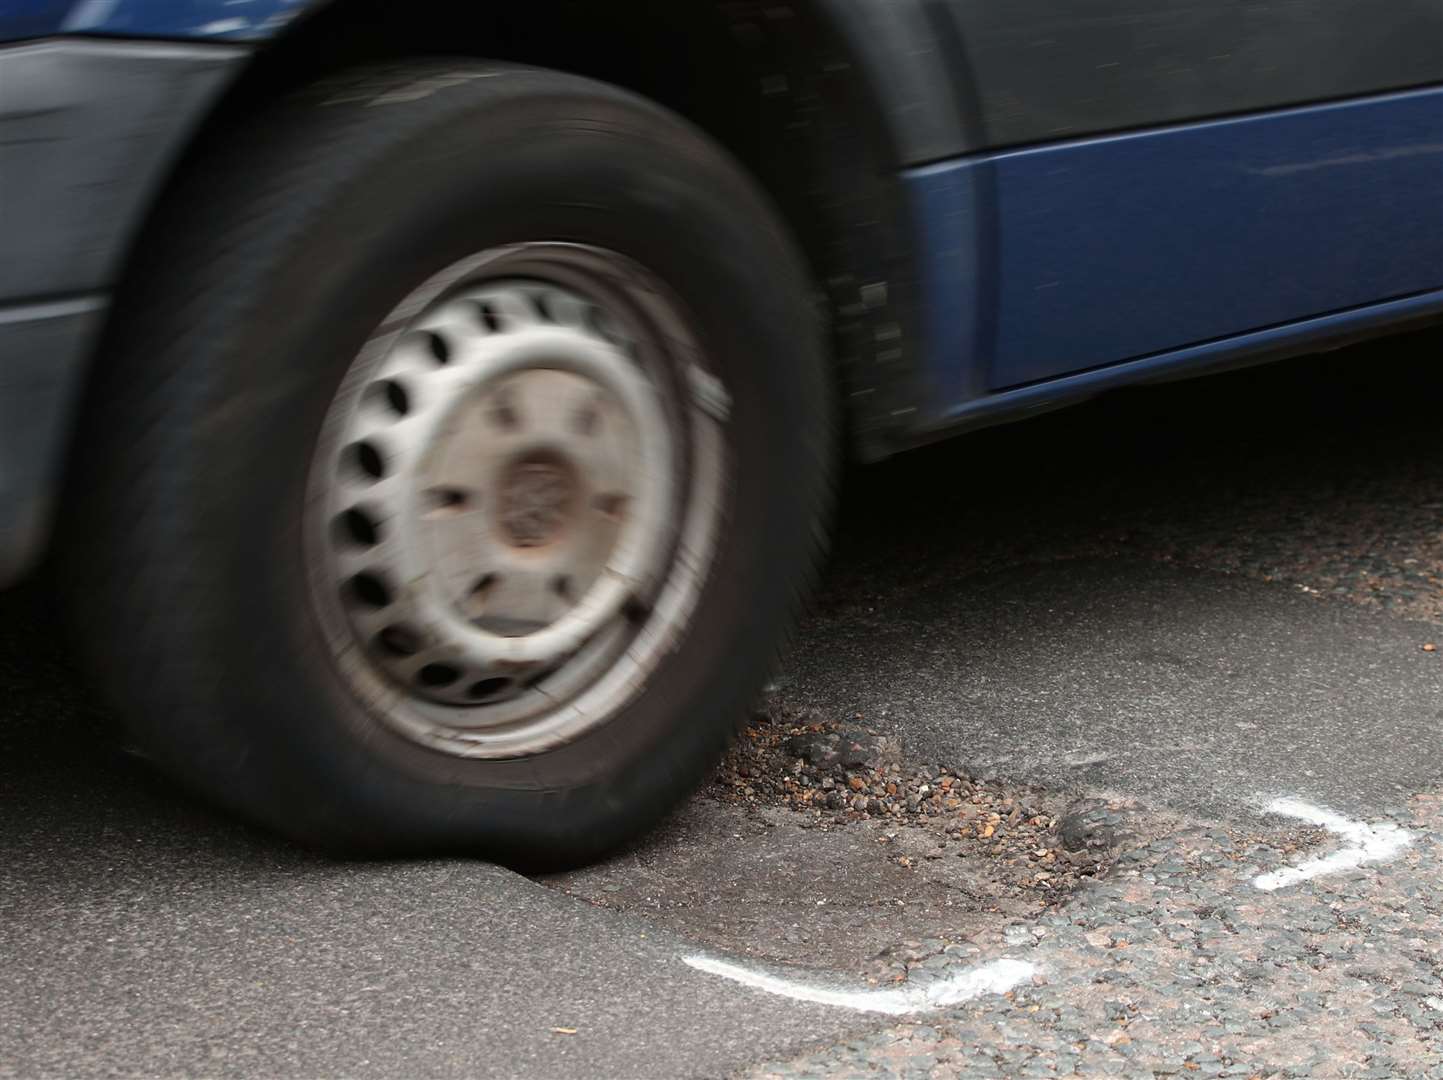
88	131
1075	255
43	352
1050	69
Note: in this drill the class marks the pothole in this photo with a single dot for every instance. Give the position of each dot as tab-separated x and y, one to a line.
821	844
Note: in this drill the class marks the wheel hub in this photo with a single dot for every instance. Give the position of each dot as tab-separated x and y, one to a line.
538	500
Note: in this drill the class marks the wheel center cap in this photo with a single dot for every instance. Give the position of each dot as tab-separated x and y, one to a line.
537	499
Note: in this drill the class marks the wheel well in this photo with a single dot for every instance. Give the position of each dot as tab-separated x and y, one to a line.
770	81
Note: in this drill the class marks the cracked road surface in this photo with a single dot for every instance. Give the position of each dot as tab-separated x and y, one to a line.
1200	597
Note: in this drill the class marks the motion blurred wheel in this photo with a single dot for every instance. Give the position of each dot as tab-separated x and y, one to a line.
460	452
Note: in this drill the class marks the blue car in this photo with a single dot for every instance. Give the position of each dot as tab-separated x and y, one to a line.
433	408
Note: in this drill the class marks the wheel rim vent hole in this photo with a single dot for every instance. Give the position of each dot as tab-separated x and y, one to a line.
487	688
488	316
451	500
437	676
368	460
358	527
612	505
600	324
399	641
439	348
391	396
480	588
370	590
504	413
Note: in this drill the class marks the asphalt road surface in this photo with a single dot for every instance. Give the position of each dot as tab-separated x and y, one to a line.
1193	600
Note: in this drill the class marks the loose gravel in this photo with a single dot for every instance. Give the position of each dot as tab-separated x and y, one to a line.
838	775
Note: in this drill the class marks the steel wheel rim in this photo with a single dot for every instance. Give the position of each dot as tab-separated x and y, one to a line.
514	500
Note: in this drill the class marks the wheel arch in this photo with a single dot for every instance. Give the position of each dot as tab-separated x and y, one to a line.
824	101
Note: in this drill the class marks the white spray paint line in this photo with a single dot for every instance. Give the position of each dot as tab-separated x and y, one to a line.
1367	844
995	977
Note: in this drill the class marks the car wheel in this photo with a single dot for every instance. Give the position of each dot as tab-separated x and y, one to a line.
453	465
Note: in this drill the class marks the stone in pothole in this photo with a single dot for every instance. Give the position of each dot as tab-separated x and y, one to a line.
1095	824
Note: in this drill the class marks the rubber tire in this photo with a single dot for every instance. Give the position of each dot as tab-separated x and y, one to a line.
271	262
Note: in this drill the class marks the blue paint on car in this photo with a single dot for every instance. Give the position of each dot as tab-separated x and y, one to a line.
1103	250
951	213
206	20
31	18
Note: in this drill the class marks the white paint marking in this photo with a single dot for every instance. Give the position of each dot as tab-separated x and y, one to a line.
1367	843
990	978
